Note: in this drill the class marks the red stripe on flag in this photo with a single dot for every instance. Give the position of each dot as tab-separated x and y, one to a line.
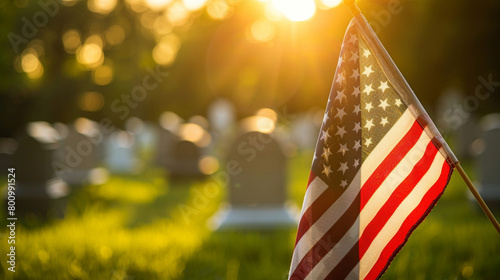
312	176
304	223
412	221
328	241
395	199
386	167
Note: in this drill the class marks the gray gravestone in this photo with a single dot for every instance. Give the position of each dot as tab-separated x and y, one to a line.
83	144
168	125
465	135
189	143
7	148
146	138
37	190
165	148
488	161
186	156
450	113
257	184
120	153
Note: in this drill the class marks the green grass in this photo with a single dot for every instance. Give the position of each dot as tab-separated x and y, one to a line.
144	227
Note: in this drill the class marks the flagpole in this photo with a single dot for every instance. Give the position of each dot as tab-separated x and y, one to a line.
351	5
353	8
477	196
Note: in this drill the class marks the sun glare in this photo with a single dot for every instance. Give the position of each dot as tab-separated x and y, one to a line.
327	4
295	10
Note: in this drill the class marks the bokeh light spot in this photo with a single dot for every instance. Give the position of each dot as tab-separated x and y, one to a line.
85	126
265	125
268	113
29	62
103	7
327	4
31	65
71	41
95	39
137	6
195	133
124	139
102	75
98	176
162	26
208	165
147	19
194	5
38	73
42	131
157	5
262	30
191	132
91	101
170	121
177	14
219	9
115	35
296	10
90	55
165	52
272	13
258	123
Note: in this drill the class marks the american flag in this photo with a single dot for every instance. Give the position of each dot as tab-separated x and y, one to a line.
379	167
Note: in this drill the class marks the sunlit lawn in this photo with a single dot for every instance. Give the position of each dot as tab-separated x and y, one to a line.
133	228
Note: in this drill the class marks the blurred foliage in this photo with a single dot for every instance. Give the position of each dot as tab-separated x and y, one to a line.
128	226
436	44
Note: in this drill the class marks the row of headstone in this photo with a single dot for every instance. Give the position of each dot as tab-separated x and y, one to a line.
454	118
257	194
80	150
38	190
181	145
475	140
50	160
